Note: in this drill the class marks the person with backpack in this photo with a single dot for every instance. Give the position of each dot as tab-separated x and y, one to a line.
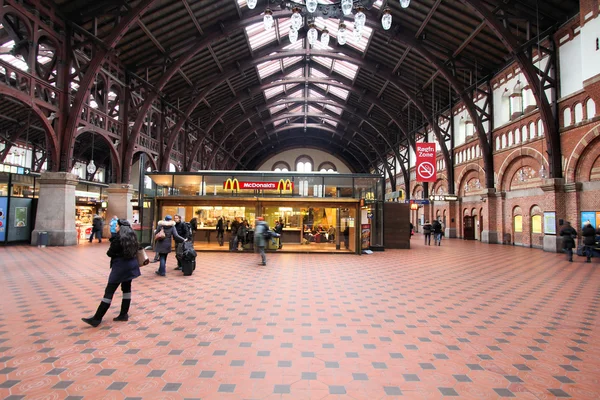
124	267
261	232
164	235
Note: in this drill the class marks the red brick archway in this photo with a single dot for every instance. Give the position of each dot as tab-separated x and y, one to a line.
582	148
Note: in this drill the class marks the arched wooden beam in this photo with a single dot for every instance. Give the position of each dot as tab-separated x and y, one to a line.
93	67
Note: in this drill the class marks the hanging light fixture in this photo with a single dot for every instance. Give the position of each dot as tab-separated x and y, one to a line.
347	7
91	167
268	19
293	35
296	19
325	38
543	172
312	35
405	3
341	35
386	20
251	4
311	5
356	35
360	19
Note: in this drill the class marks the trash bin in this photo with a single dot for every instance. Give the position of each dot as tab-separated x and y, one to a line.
42	239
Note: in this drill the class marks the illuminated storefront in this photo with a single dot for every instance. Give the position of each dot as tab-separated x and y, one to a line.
319	211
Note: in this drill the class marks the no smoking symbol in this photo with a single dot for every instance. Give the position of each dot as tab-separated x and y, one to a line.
426	169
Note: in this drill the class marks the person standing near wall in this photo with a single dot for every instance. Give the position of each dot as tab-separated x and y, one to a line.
568	233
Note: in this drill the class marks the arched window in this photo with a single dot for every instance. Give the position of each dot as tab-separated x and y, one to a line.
590	108
498	143
567	117
281	166
327	167
304	164
525	134
172	167
578	113
532	130
540	127
503	141
510	138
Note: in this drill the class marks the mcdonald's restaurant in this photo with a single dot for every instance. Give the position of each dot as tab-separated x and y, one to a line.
319	212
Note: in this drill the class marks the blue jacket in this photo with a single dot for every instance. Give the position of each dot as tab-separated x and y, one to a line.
113	225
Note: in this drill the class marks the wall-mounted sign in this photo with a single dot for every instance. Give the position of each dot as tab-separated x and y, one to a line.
282	185
421	202
398	194
444	197
426	162
20	217
14	169
550	223
588	217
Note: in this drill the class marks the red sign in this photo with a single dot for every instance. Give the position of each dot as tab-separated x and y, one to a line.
426	162
234	184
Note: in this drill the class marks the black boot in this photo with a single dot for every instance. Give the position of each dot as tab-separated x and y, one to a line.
123	315
97	318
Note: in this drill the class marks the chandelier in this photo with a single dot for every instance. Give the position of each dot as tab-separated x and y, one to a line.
308	10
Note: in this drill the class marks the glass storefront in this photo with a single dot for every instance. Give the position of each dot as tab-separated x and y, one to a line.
319	211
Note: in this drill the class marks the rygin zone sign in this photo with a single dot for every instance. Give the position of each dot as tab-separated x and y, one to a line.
426	162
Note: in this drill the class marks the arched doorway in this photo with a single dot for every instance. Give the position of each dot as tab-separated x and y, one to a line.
536	231
468	226
517	226
476	224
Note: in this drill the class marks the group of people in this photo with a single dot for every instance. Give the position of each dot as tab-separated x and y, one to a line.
434	228
591	240
319	234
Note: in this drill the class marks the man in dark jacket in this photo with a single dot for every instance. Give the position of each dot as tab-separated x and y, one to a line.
233	240
427	232
97	225
568	233
437	232
589	240
220	231
183	231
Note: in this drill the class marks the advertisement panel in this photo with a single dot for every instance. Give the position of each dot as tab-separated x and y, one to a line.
426	162
3	211
588	217
282	185
550	223
365	236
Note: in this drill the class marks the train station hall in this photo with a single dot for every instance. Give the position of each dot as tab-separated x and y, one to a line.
299	199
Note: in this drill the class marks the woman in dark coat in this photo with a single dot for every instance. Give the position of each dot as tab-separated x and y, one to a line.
589	240
124	268
568	234
163	247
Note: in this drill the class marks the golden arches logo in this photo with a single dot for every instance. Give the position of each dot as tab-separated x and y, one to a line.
284	186
231	184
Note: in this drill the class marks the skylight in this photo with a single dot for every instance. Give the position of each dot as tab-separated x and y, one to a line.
335	109
312	93
330	122
274	91
339	92
275	109
16	62
268	68
377	4
258	36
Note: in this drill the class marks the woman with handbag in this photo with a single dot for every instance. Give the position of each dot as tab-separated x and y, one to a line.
163	236
124	267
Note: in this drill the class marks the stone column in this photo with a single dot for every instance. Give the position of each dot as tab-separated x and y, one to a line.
555	200
490	221
119	202
56	209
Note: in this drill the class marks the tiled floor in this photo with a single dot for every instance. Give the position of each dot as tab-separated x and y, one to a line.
464	320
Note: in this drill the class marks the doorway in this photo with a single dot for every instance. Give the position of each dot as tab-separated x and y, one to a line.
468	227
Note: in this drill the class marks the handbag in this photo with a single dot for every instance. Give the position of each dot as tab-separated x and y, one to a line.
142	257
160	235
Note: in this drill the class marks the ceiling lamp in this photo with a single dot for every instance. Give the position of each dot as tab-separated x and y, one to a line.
297	20
325	38
360	19
91	167
341	35
268	19
251	4
347	7
405	3
312	35
293	35
386	20
356	35
311	5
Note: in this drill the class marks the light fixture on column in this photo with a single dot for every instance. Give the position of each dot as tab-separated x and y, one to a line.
325	38
268	19
347	7
296	18
251	4
386	19
405	3
341	35
312	35
91	167
360	19
311	6
293	35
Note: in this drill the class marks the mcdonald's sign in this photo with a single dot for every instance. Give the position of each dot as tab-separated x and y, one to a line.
282	185
231	184
285	186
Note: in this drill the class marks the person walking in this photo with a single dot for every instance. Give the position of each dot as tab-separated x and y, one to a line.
279	231
113	226
260	238
163	246
568	233
97	225
427	232
589	240
183	231
124	267
220	231
437	232
233	240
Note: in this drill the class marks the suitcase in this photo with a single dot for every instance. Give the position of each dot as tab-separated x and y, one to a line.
188	267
